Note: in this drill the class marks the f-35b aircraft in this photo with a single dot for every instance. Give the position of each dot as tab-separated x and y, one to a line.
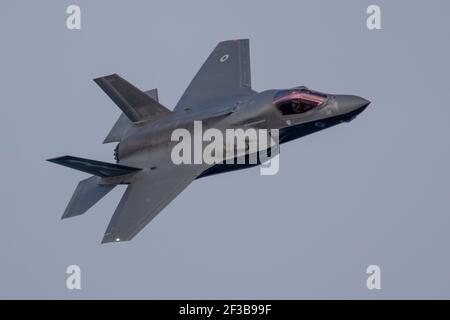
221	96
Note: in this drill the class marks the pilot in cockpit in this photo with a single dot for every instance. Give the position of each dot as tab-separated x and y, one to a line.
298	100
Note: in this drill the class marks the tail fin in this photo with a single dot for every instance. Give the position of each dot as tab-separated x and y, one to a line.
135	104
87	193
97	168
123	123
118	130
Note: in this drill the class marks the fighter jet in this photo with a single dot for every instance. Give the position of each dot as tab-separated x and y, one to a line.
221	96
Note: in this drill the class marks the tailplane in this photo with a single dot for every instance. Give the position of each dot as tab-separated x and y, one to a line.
91	190
97	168
86	195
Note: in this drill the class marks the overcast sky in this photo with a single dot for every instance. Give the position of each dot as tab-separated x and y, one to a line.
375	191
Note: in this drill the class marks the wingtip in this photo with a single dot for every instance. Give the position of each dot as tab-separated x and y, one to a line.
111	238
234	40
56	159
99	79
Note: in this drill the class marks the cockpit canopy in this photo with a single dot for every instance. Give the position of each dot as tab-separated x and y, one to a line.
298	100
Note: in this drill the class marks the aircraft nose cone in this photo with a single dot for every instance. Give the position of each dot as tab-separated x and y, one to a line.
348	103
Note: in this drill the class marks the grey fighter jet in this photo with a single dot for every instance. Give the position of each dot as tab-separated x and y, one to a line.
221	96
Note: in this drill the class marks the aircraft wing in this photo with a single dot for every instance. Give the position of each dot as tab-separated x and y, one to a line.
148	193
225	73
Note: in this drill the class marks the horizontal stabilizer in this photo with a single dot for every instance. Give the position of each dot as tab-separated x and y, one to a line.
97	168
135	104
87	193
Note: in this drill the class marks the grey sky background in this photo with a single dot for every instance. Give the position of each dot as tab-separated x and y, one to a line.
375	191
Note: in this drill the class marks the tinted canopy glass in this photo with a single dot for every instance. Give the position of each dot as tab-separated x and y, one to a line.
297	101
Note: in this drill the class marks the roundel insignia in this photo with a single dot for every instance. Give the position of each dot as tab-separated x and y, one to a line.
320	124
224	58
